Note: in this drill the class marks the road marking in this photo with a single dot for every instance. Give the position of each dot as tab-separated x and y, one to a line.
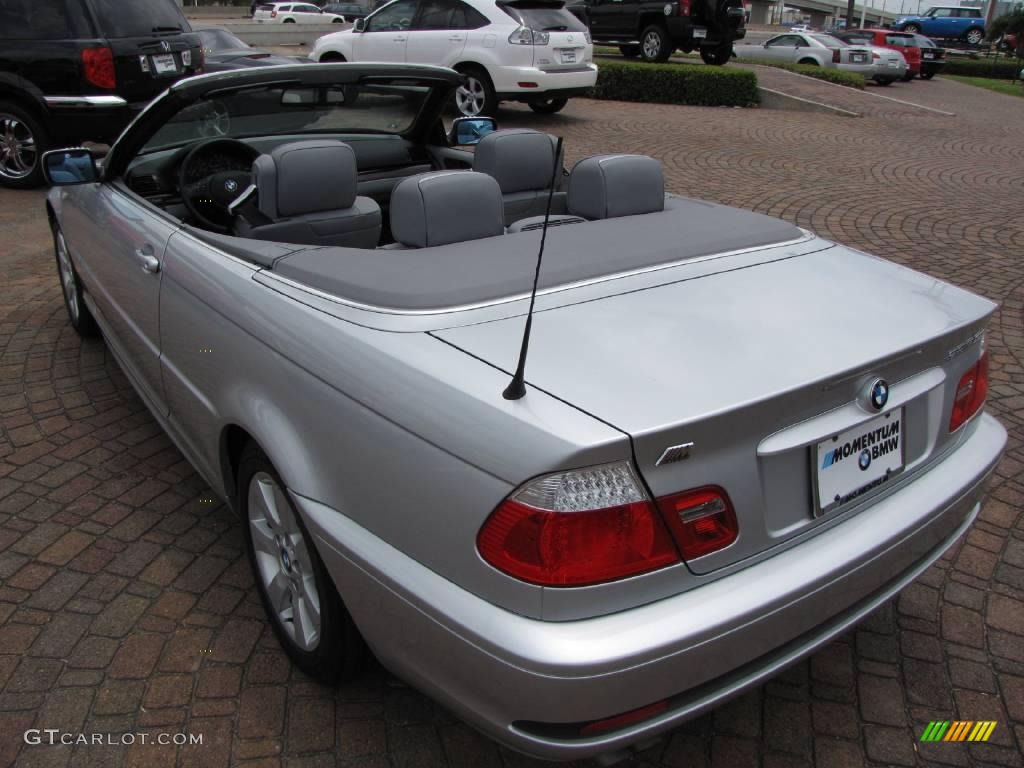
866	92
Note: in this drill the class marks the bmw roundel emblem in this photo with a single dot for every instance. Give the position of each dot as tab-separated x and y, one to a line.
879	394
864	460
231	185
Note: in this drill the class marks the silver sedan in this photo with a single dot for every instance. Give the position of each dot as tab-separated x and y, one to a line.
887	65
729	442
810	48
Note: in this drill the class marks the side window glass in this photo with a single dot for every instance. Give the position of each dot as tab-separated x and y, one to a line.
31	20
396	17
467	17
435	14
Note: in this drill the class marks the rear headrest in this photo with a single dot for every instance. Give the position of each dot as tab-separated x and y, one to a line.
305	177
444	207
607	186
519	158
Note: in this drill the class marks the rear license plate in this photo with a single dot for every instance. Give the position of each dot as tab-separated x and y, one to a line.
568	57
858	58
928	55
700	32
164	63
858	460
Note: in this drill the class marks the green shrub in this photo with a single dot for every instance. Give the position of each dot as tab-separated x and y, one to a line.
695	85
837	76
998	69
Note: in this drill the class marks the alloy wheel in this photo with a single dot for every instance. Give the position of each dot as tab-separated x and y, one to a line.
67	278
975	36
18	151
283	561
471	97
652	45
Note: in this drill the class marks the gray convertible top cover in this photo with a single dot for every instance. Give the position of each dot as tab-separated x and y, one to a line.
482	271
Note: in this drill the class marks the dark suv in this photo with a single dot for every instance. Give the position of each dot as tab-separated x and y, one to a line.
653	29
76	70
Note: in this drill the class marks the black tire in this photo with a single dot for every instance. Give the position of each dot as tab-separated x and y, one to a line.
927	75
883	80
809	62
914	28
655	44
717	55
629	51
288	21
79	316
974	36
477	96
338	651
27	131
337	21
908	77
548	106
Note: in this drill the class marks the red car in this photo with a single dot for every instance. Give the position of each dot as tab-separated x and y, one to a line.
886	38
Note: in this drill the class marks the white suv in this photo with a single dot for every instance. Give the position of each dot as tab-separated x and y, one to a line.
294	13
514	50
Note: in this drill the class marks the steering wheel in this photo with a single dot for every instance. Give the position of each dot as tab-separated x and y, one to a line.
207	197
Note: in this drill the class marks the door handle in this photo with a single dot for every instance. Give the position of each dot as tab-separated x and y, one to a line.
147	260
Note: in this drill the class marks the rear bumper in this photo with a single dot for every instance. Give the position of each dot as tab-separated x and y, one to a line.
517	678
548	83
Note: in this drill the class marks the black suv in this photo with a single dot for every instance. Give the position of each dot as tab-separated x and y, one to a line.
653	29
76	70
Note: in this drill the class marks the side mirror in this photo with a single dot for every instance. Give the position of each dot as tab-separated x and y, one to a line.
359	26
467	131
64	167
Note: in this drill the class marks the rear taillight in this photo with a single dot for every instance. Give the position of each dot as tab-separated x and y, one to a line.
702	521
273	14
835	55
875	55
98	67
579	527
527	36
684	7
970	393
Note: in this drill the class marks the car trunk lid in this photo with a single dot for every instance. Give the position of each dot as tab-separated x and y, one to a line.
745	374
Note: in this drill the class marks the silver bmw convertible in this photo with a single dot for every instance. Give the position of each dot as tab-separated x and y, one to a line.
726	441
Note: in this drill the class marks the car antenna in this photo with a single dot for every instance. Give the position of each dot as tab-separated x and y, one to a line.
516	388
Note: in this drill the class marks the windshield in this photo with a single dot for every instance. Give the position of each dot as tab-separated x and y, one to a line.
541	16
219	40
273	110
900	41
139	18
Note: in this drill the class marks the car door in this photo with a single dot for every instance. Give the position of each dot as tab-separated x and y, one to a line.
939	22
440	30
781	48
387	33
120	244
307	14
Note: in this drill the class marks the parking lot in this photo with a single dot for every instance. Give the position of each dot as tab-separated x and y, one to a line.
126	601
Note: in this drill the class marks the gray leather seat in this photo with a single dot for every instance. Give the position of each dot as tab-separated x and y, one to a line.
443	207
523	162
307	194
608	186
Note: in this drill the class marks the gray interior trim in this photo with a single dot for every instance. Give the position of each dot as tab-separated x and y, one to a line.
482	271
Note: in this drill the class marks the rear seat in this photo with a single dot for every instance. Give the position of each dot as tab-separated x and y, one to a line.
523	162
443	207
605	187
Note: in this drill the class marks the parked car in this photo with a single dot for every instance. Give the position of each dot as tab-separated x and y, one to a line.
652	30
685	501
508	50
903	42
888	65
800	28
77	70
295	13
351	11
933	56
950	22
816	49
222	50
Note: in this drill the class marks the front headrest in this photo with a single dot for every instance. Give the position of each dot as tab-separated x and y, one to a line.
306	177
519	158
607	186
444	207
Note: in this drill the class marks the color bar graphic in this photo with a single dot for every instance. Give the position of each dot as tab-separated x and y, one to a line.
958	730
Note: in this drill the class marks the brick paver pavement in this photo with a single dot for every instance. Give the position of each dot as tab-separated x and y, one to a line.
126	604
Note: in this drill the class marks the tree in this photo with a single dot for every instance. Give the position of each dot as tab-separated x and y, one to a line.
1009	24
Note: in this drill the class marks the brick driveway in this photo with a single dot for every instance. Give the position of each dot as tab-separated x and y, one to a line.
126	604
